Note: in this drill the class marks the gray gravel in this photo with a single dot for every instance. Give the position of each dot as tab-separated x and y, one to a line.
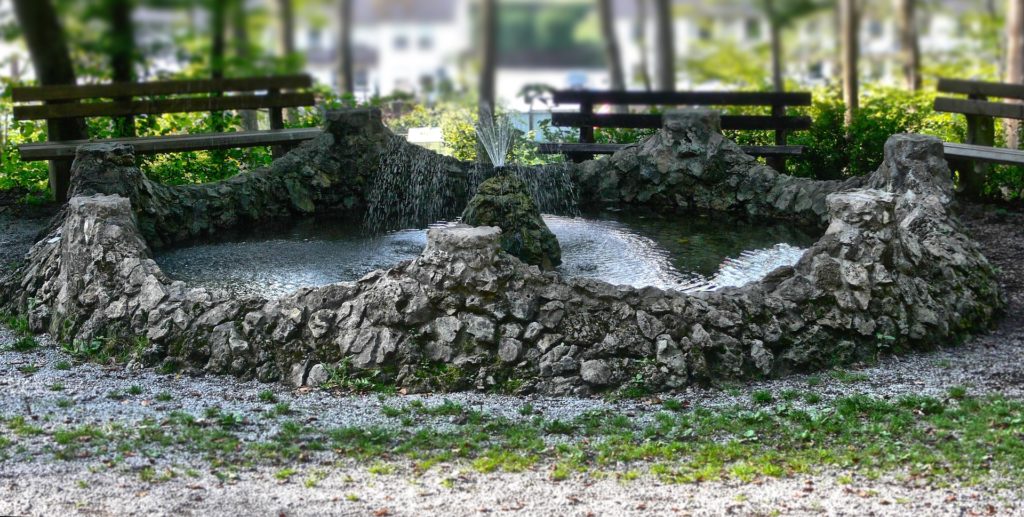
32	482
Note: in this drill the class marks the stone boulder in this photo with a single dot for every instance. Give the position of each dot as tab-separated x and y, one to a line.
505	202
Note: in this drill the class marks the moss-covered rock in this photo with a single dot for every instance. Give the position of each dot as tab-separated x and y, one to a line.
505	202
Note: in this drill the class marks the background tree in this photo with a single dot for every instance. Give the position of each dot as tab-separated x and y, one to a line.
781	14
121	49
48	49
664	45
488	55
641	21
849	23
243	52
906	18
1014	60
346	81
611	45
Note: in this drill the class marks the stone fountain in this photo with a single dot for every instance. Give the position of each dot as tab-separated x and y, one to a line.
893	269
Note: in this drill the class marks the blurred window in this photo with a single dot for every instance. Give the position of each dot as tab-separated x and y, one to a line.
752	29
401	42
815	70
875	28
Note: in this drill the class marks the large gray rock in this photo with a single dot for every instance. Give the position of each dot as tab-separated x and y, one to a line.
505	202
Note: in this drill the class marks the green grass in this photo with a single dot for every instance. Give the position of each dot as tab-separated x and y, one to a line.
164	396
962	440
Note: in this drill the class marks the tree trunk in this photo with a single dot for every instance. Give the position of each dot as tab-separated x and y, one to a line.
665	63
1014	60
911	52
240	33
488	55
218	23
346	81
48	49
122	54
611	45
849	21
645	67
286	15
778	84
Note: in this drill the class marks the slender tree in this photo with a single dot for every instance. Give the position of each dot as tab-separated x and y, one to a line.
849	23
665	60
641	20
243	53
121	41
346	81
781	14
48	49
611	45
286	19
218	24
1014	60
488	55
906	17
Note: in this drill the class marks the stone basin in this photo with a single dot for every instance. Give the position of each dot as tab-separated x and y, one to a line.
893	270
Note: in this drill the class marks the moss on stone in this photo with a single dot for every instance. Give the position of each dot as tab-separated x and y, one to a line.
505	202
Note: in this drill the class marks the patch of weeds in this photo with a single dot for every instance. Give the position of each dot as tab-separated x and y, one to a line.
62	365
958	392
116	395
762	397
56	387
391	411
527	409
789	395
846	377
267	396
814	380
29	369
558	427
352	498
20	427
24	344
17	324
65	403
343	377
382	469
314	478
812	397
285	474
282	408
672	405
135	390
560	472
164	396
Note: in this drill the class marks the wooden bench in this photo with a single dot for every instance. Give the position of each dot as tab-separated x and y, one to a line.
125	100
970	159
586	120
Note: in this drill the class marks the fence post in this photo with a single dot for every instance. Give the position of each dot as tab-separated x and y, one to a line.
981	130
586	132
778	162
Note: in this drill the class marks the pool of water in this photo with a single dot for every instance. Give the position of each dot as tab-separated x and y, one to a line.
688	253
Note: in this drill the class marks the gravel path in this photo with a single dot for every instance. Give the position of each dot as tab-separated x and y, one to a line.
34	385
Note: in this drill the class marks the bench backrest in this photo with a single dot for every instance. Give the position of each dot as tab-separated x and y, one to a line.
189	95
977	103
586	118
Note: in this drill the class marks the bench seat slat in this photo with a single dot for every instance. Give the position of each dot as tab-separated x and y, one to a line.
982	88
608	148
653	121
683	98
173	143
175	87
978	107
153	107
983	153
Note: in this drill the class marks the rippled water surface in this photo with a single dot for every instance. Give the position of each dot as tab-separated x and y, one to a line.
679	252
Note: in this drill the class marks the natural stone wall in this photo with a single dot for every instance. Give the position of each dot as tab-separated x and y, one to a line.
327	174
894	270
504	201
688	165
